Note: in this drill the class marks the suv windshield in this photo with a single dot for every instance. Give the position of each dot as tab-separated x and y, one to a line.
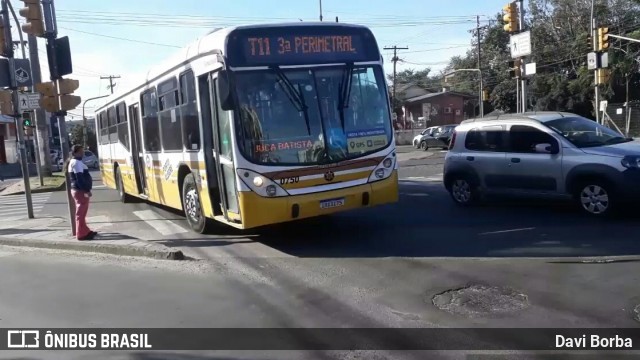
294	116
583	132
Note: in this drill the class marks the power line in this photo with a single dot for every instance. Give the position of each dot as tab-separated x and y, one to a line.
120	38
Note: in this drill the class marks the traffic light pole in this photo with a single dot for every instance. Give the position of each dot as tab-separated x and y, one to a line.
42	129
19	133
594	38
49	17
522	70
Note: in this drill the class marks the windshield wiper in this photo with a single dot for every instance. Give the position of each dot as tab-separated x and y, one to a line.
345	91
296	98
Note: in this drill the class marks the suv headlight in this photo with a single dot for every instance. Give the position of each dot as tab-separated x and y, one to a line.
384	169
631	162
261	184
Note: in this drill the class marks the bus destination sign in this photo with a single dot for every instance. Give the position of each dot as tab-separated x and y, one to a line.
263	49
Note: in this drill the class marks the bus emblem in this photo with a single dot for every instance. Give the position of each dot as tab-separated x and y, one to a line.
329	175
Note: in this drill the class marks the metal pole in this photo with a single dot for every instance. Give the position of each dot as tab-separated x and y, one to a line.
518	95
522	62
481	101
84	118
42	129
320	10
594	38
19	132
24	56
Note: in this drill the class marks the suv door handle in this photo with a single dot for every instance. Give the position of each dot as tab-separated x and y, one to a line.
515	160
470	158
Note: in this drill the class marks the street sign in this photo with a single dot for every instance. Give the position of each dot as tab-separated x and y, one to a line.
28	101
529	69
604	60
592	61
520	45
22	73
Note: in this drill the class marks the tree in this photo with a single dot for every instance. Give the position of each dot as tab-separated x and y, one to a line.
76	136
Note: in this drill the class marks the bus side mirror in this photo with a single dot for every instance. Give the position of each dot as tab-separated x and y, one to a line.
224	89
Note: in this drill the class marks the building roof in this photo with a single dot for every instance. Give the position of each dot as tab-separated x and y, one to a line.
428	96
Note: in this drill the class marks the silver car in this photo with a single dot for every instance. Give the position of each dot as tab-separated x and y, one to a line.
543	154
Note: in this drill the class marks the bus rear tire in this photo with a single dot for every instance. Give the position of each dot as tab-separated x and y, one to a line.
192	205
124	197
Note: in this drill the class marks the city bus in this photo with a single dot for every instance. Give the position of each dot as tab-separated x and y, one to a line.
256	125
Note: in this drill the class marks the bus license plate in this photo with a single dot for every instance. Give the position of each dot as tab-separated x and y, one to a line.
331	203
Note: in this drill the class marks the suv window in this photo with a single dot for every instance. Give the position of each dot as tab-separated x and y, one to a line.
523	139
488	138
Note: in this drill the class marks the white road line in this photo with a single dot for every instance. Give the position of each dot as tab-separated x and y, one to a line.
160	224
506	231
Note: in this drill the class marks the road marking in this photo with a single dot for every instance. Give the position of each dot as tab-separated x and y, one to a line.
160	224
435	178
506	231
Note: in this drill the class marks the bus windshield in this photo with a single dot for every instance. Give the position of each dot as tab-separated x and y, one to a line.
312	116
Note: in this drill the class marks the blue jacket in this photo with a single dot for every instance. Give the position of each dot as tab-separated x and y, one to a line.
79	173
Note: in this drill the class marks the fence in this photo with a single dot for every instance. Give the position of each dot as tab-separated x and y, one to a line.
627	120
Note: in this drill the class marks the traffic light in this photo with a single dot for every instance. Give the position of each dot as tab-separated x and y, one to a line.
603	38
510	17
485	95
26	120
59	98
32	12
66	87
49	99
604	75
514	68
6	102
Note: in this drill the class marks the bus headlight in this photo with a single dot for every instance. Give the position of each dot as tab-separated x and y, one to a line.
384	169
260	184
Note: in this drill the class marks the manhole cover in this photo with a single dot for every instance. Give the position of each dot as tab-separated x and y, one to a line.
481	300
636	311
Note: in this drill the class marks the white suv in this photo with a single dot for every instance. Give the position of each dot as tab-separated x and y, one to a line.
543	154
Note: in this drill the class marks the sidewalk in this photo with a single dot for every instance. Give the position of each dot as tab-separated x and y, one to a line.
55	233
16	186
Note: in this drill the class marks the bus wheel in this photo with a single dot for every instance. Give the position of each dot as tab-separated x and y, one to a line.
192	205
124	197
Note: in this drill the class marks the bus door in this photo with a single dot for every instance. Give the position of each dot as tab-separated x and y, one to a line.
222	153
136	150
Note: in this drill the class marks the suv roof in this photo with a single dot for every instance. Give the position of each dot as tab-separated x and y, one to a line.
540	116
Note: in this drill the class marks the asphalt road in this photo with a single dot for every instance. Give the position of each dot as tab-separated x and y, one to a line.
423	262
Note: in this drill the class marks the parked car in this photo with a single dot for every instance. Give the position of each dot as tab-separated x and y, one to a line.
89	159
426	132
543	154
439	139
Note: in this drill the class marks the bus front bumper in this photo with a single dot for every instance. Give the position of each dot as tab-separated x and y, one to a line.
259	211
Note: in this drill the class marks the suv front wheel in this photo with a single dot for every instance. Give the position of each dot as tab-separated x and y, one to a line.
462	191
595	198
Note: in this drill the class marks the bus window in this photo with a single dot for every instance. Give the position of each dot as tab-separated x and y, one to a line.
150	126
189	112
225	128
169	116
123	128
113	126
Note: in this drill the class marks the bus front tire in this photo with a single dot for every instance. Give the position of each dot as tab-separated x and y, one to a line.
124	197
192	205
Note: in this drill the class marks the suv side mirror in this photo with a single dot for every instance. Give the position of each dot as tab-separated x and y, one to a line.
224	88
546	149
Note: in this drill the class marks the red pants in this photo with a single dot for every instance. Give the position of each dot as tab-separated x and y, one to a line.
82	207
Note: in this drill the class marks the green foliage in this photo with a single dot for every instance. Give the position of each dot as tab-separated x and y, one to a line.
77	137
560	40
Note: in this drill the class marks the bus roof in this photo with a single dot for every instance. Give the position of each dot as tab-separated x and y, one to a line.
214	41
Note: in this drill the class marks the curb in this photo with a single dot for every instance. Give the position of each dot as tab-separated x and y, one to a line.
154	252
39	190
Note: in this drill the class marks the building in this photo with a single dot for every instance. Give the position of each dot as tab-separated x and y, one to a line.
8	141
440	108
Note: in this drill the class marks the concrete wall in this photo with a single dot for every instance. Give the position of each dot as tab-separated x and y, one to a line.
404	137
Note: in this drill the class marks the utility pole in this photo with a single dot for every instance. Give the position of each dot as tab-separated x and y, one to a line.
14	97
594	39
395	61
522	70
42	129
481	104
111	77
321	10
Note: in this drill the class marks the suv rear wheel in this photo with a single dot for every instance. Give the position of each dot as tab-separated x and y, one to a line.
595	197
423	146
462	191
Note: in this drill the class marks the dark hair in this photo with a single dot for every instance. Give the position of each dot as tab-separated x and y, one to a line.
74	149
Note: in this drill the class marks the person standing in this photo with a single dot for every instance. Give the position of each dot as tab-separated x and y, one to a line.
81	184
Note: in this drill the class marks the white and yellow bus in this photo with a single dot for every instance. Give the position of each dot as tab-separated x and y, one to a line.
256	125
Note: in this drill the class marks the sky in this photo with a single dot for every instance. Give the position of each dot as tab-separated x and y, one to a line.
127	37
